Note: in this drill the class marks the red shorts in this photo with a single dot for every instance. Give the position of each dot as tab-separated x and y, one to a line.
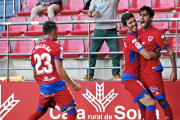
136	88
62	98
154	84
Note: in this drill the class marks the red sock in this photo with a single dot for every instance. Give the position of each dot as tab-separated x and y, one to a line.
36	115
151	112
167	111
143	112
71	116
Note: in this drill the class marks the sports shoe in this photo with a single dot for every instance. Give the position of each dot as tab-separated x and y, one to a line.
117	77
86	77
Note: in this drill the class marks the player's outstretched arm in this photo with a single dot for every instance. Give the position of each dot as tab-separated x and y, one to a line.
173	76
62	73
35	76
150	55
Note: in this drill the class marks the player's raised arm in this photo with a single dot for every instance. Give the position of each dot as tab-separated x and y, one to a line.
150	55
173	76
62	73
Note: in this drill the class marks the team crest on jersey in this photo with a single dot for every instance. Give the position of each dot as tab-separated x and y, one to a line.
138	45
150	38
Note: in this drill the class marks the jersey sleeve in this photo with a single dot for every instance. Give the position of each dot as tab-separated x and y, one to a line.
161	41
134	44
58	53
32	59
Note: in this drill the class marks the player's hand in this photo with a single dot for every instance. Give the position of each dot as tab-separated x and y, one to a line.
122	64
158	49
173	76
77	87
43	4
95	13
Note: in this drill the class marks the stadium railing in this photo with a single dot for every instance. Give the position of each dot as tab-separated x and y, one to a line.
76	38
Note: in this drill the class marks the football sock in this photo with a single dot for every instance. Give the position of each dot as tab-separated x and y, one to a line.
36	115
151	112
167	111
143	111
72	113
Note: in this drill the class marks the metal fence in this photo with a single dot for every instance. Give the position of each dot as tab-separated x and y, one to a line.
75	38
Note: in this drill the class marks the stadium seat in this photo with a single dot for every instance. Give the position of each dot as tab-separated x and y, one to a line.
163	26
3	48
163	5
137	4
123	6
16	30
82	29
172	43
178	6
73	46
123	29
23	47
2	20
36	29
173	24
104	48
121	46
64	29
85	11
73	7
31	4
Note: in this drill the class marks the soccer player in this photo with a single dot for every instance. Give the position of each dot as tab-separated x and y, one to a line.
130	76
46	60
150	70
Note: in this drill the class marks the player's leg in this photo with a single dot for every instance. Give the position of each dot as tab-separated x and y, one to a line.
142	110
44	103
166	108
150	104
66	103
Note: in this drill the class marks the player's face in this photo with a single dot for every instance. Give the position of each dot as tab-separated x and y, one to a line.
131	25
145	20
55	35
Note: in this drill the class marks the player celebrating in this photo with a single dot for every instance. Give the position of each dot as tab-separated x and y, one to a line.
130	75
46	60
150	70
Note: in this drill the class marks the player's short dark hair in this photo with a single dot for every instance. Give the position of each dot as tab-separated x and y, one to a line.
148	10
48	26
125	17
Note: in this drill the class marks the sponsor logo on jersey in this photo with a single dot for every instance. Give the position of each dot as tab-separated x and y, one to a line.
162	36
135	40
150	38
165	41
48	79
138	45
153	89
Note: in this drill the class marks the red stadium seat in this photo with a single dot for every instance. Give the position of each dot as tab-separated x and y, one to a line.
31	4
123	29
163	26
172	43
121	46
104	48
123	6
36	29
73	46
118	24
64	29
137	4
16	30
173	25
3	48
164	5
23	47
85	11
82	29
178	6
73	7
